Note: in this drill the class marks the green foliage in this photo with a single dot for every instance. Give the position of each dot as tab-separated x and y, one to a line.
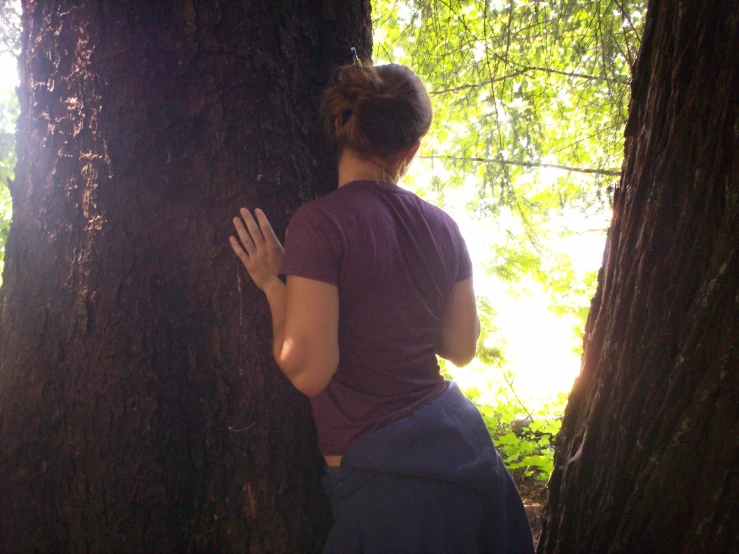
490	347
570	294
10	32
8	116
529	452
519	84
10	26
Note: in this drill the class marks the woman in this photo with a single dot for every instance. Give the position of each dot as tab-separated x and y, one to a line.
378	283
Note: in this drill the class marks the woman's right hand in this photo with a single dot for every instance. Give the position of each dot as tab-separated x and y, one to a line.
258	247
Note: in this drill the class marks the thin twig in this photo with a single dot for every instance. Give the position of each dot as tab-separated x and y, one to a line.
610	172
510	386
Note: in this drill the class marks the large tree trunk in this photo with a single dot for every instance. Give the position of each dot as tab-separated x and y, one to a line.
648	455
140	409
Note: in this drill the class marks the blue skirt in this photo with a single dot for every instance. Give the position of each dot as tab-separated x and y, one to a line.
431	482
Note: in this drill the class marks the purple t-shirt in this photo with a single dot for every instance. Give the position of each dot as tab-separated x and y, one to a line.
394	259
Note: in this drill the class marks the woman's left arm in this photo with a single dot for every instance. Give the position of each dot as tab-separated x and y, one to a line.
307	352
305	312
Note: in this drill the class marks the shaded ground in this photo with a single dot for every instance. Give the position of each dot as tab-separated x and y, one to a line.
534	494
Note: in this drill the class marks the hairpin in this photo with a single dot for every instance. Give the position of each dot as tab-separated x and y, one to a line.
357	61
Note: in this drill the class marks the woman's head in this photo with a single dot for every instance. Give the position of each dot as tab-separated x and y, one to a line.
379	112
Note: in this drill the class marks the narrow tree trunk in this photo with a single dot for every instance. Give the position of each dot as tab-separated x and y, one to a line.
140	409
648	456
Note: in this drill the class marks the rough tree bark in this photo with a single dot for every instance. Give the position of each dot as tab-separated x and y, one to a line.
648	455
139	406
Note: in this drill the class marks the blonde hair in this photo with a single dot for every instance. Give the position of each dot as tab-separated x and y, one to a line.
377	111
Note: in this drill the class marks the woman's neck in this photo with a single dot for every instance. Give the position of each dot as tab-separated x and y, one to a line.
355	167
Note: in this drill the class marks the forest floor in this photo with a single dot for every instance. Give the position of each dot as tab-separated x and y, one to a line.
534	495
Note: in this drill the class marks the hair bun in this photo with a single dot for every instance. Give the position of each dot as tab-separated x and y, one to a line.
376	110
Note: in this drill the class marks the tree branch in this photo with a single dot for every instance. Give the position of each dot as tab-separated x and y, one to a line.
621	80
610	172
480	85
529	68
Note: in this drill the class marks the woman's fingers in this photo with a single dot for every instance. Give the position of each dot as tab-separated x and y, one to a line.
243	256
254	231
265	227
245	236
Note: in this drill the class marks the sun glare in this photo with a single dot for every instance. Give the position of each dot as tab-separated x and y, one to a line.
8	71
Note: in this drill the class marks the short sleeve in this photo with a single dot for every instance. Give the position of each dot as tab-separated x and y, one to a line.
313	247
464	266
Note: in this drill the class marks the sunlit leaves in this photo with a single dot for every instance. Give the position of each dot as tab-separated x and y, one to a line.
526	448
9	46
489	345
541	81
10	26
530	101
8	116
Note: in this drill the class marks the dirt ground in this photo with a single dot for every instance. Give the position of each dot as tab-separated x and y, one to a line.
534	494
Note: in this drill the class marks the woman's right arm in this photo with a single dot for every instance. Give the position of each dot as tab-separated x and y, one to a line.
460	326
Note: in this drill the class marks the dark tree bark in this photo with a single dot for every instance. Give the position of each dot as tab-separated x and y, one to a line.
140	409
648	456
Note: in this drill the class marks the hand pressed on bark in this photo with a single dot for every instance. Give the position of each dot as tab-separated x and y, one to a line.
305	342
258	249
